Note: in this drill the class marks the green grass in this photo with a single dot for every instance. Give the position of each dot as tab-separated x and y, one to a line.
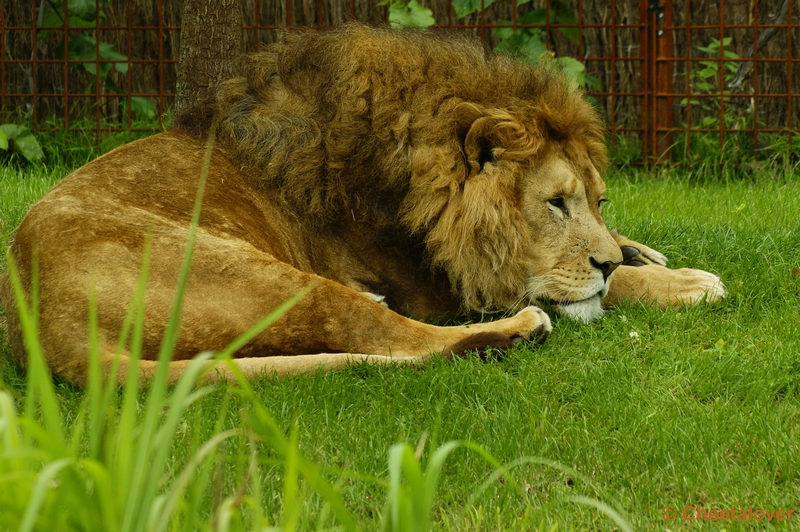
702	409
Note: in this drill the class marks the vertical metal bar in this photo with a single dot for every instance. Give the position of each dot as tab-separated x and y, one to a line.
580	31
483	20
613	81
319	14
754	57
645	79
288	14
656	49
33	67
129	73
721	73
256	25
2	64
352	9
97	73
664	69
790	72
514	8
688	88
547	28
160	62
449	13
65	70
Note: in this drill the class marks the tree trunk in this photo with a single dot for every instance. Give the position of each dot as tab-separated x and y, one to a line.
211	36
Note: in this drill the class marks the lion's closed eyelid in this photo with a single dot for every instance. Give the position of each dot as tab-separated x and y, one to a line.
559	203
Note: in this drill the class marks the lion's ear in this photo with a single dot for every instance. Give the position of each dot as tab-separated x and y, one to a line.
487	134
480	143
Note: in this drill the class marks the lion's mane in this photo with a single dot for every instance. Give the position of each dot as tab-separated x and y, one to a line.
375	123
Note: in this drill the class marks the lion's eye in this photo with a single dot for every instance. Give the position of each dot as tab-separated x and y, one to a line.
559	204
600	203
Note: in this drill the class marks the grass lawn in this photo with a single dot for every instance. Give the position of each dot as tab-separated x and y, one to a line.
699	408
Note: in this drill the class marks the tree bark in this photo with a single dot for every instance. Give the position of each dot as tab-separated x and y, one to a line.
210	48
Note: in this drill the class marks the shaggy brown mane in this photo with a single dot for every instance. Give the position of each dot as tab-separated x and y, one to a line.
332	118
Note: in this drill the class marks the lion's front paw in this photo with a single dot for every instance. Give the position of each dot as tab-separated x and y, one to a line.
688	285
532	324
667	288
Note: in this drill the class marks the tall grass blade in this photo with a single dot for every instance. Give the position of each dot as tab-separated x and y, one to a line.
104	488
606	509
40	490
39	382
10	432
158	440
94	390
122	450
164	515
291	498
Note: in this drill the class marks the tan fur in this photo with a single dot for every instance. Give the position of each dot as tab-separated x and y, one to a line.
418	169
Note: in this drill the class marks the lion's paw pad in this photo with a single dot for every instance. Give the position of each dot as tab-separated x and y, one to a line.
537	323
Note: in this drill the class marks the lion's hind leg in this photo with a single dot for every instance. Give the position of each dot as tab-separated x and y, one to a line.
529	324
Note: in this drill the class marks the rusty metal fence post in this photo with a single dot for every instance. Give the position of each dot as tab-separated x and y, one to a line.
656	41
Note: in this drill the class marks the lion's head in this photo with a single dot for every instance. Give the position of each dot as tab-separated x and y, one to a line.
492	165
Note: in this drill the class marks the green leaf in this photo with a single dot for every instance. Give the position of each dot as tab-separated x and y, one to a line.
23	141
143	107
574	70
526	42
707	73
593	82
502	34
537	16
50	17
53	17
411	15
465	7
83	47
85	9
3	140
564	15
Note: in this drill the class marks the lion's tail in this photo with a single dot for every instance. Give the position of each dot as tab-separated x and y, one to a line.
252	367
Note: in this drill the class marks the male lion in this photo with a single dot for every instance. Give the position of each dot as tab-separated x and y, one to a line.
408	174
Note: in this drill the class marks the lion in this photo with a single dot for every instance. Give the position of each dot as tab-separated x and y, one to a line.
404	176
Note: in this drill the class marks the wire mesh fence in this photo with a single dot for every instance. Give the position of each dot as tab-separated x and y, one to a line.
675	79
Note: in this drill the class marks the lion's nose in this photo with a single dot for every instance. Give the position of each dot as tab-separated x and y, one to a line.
606	267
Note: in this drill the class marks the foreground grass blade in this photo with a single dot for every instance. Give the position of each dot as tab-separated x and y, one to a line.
39	490
606	509
39	382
